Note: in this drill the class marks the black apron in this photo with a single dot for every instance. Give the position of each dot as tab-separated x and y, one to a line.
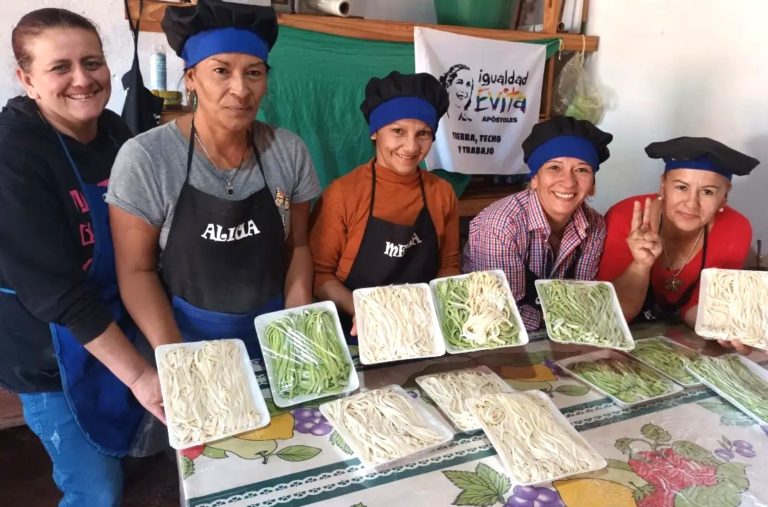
141	110
392	253
531	297
653	310
223	263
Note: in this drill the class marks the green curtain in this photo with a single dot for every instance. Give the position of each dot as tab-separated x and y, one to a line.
316	85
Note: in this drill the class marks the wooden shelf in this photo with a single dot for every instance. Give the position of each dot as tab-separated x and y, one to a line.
371	29
10	410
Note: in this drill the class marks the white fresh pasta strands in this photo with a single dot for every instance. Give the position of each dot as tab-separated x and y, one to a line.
381	425
532	443
735	307
396	323
452	389
206	392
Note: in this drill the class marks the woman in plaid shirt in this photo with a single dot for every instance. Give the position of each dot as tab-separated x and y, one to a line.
546	231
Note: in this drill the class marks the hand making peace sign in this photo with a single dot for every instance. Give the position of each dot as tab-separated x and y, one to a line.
644	240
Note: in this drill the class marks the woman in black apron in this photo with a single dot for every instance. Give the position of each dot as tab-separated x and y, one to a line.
66	343
547	231
388	221
230	253
657	245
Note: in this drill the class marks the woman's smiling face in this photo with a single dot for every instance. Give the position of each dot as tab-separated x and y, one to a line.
562	185
402	145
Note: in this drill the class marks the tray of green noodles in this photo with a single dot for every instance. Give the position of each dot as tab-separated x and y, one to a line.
476	311
584	313
625	380
305	354
732	306
668	358
738	380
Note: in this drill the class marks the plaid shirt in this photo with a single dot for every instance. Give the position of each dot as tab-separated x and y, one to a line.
513	228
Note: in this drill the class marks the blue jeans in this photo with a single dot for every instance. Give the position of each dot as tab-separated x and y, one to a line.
85	476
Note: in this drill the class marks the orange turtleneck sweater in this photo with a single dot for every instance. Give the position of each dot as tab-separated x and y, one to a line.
339	218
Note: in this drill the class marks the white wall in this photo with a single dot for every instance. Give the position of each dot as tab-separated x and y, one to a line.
683	67
116	36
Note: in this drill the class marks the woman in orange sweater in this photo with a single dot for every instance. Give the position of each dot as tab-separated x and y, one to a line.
388	221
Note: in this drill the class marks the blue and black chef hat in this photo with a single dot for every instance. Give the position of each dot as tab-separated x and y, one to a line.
702	153
404	96
563	136
213	27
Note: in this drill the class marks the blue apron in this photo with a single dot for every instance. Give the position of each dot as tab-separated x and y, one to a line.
223	262
104	407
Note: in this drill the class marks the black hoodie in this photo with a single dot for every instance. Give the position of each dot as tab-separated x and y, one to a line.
41	257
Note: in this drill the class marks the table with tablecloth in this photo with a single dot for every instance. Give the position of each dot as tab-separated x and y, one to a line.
692	449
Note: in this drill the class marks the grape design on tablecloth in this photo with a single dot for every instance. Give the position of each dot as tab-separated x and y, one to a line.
311	421
486	487
532	496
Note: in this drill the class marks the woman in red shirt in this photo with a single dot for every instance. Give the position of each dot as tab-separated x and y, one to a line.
657	245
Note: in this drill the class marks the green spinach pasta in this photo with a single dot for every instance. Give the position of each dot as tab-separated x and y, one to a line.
475	312
306	356
581	312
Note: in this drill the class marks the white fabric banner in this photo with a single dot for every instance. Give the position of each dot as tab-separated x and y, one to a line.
494	90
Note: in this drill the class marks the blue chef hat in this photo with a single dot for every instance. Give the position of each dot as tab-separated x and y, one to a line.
563	136
400	96
213	27
702	153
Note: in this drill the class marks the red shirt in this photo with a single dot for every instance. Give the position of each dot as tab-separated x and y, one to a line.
727	248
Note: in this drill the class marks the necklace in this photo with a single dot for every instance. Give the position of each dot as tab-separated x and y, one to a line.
673	284
227	182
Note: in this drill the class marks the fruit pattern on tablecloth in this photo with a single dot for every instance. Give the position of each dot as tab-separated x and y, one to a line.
658	472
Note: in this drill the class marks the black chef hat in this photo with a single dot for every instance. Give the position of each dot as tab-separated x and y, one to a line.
563	136
702	153
400	96
213	27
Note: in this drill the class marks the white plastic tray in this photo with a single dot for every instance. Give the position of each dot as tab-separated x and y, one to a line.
679	349
503	388
705	303
426	417
758	370
438	346
522	337
597	463
612	354
261	323
627	344
248	377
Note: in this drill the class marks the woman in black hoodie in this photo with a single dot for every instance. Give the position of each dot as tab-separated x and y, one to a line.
65	343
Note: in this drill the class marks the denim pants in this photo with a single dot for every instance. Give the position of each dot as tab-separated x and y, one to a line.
85	476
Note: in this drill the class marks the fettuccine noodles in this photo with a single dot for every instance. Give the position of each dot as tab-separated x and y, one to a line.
534	445
452	389
395	323
206	392
476	312
381	425
735	307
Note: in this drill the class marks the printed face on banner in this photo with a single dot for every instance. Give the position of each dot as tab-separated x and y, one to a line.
494	92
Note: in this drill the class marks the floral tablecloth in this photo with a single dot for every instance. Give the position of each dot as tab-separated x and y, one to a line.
689	450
